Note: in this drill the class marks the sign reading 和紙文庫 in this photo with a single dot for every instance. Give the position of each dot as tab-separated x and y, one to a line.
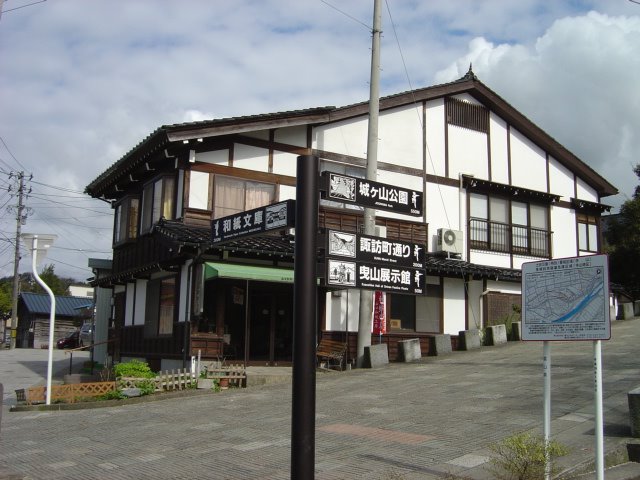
253	222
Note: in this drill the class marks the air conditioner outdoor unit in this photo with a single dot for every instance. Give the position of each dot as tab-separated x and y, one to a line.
449	240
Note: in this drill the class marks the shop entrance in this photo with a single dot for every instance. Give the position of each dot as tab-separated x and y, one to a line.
270	327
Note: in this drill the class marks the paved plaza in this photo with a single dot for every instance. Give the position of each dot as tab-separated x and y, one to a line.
423	420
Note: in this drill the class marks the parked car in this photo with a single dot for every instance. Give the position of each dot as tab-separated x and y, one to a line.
70	340
86	335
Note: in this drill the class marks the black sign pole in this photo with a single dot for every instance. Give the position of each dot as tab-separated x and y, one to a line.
303	411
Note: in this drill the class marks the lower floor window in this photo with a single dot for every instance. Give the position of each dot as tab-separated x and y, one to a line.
402	312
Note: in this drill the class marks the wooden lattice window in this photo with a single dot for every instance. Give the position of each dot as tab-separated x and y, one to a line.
467	115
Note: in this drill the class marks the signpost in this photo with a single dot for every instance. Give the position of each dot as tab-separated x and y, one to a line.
568	299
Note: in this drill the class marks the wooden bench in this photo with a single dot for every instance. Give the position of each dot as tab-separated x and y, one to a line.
331	351
234	374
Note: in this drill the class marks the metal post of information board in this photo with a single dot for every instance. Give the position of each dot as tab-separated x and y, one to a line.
546	367
597	371
303	403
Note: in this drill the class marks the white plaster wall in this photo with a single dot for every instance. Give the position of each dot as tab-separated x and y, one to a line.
400	136
285	163
184	291
141	301
287	192
435	125
250	158
528	163
259	134
564	242
468	152
499	150
560	180
442	210
454	305
488	258
199	190
348	137
339	307
292	136
129	304
504	287
585	192
216	157
474	305
519	260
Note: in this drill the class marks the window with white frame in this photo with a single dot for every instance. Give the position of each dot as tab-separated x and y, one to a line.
233	195
158	201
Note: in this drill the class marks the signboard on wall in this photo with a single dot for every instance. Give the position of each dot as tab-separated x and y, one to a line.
367	193
566	299
253	222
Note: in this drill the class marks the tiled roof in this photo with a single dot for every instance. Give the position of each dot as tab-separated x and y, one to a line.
451	267
190	235
65	306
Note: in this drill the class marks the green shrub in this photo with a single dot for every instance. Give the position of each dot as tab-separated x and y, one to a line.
133	368
112	395
522	457
147	387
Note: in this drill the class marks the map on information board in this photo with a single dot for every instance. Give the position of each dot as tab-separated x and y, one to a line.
566	299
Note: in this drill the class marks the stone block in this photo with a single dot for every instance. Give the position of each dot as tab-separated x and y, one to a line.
376	356
633	451
442	344
626	311
410	350
633	397
516	331
131	392
496	335
469	339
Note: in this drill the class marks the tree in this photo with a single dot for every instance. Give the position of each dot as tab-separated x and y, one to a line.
623	239
57	285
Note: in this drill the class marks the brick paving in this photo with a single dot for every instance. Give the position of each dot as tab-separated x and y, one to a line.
402	422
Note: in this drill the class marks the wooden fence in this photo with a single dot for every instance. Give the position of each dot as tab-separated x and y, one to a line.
168	380
69	393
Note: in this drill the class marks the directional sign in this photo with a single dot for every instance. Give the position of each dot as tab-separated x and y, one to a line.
367	193
367	248
566	299
348	274
253	222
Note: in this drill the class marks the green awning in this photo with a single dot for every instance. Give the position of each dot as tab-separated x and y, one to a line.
247	272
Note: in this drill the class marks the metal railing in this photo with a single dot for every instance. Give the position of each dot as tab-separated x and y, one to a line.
505	238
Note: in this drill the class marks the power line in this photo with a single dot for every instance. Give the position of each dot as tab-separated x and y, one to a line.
9	151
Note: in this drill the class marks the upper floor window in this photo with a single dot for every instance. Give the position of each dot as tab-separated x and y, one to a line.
158	200
126	220
587	232
233	195
503	225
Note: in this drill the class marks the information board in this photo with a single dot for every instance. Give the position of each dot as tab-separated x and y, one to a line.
566	299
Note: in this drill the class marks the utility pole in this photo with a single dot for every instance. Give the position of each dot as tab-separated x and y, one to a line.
21	217
366	296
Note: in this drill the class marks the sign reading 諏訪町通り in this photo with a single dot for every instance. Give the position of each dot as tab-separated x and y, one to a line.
371	249
370	194
253	222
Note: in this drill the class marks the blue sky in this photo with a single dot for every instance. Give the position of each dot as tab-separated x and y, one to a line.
83	81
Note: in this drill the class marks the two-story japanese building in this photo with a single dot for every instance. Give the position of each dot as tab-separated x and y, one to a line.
497	191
